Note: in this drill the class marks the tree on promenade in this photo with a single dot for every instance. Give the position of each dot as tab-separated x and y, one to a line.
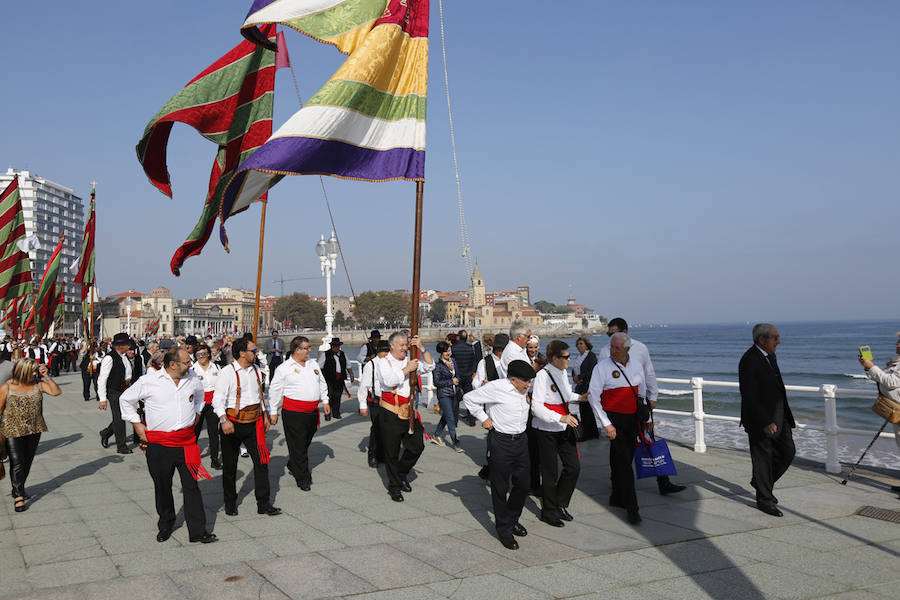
301	311
548	307
373	308
438	312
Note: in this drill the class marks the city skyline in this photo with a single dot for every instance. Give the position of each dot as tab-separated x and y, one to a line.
674	164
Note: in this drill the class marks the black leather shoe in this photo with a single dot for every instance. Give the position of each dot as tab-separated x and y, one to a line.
125	451
269	510
634	517
304	486
373	462
509	543
895	488
613	501
231	511
519	530
670	488
206	538
405	486
770	509
396	496
216	463
104	440
552	522
135	440
163	535
485	473
328	417
565	515
336	416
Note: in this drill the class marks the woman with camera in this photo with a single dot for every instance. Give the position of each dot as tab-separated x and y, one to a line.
21	404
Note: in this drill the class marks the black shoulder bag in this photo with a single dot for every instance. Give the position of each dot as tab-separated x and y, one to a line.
577	433
643	409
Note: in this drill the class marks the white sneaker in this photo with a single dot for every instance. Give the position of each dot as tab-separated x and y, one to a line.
458	448
437	441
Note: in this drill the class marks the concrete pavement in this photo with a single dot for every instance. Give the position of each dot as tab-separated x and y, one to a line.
90	529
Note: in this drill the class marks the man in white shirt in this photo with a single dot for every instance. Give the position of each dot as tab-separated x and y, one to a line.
238	402
502	408
519	332
115	377
298	386
491	366
640	353
392	373
173	399
369	349
369	395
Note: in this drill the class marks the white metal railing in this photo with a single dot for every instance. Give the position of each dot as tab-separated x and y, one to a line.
830	428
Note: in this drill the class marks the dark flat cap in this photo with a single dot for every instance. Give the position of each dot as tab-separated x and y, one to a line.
500	341
520	369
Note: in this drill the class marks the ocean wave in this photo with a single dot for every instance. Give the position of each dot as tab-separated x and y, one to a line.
666	392
854	375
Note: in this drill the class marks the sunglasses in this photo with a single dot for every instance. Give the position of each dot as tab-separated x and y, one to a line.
564	356
202	354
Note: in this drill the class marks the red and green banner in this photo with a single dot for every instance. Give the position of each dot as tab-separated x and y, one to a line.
15	268
85	275
44	308
229	103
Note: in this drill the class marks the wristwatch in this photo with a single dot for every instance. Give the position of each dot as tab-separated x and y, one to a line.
222	420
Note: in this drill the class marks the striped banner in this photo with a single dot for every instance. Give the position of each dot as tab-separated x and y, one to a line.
45	302
15	268
368	121
85	275
229	103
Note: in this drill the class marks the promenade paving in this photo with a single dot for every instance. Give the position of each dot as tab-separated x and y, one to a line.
90	529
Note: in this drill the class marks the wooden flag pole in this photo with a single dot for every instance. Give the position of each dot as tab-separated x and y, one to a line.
414	323
262	236
91	328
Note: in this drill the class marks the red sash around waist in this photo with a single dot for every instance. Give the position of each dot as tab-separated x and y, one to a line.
395	399
619	400
182	438
557	408
261	446
207	397
304	406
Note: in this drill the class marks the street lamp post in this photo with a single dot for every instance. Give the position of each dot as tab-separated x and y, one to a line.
327	252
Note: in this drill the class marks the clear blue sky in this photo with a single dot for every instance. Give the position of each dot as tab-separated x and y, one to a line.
673	161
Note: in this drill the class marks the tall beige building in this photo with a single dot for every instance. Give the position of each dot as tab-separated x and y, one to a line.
476	289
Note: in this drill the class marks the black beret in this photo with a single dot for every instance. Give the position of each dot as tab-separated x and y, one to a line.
520	369
500	341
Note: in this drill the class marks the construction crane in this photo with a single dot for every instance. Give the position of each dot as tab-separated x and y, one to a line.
281	280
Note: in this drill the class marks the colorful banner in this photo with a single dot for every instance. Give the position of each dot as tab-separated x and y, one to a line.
15	268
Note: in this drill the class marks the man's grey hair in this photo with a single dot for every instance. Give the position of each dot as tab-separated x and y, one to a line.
762	330
518	327
621	335
396	336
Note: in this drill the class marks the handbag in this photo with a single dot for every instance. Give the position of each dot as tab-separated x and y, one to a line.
887	409
652	458
643	409
577	433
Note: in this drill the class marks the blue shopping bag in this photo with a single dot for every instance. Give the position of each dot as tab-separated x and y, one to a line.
653	459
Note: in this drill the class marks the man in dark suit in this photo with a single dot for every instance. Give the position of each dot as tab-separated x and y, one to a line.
766	416
335	371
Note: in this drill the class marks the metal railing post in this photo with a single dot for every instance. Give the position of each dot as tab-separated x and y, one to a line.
699	437
832	461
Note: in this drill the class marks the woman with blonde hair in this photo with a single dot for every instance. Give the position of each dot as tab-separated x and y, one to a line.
21	405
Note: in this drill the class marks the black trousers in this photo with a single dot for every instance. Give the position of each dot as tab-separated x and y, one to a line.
273	364
395	431
376	449
208	416
771	457
54	364
299	428
557	488
86	379
510	478
162	462
117	425
534	454
621	459
244	433
21	451
335	389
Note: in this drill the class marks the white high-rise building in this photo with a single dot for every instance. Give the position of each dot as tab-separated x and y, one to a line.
51	209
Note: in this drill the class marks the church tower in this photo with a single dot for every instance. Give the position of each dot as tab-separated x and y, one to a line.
476	289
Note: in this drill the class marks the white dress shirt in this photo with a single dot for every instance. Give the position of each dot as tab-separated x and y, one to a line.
502	402
481	370
513	352
209	376
225	395
389	374
640	352
167	407
368	381
106	366
297	382
603	377
361	357
543	394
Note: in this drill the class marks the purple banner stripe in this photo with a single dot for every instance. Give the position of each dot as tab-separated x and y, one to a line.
258	4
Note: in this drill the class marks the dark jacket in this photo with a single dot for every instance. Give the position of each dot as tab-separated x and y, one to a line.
328	368
466	361
761	390
443	379
585	372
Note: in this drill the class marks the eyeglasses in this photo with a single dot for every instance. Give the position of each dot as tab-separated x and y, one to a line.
564	356
254	351
202	354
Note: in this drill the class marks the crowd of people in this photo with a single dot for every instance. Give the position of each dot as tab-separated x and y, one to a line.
170	390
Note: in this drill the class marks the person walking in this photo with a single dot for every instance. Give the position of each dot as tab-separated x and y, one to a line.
502	407
369	397
298	387
888	380
334	368
173	401
766	416
447	384
115	377
208	373
22	412
89	363
466	360
274	353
